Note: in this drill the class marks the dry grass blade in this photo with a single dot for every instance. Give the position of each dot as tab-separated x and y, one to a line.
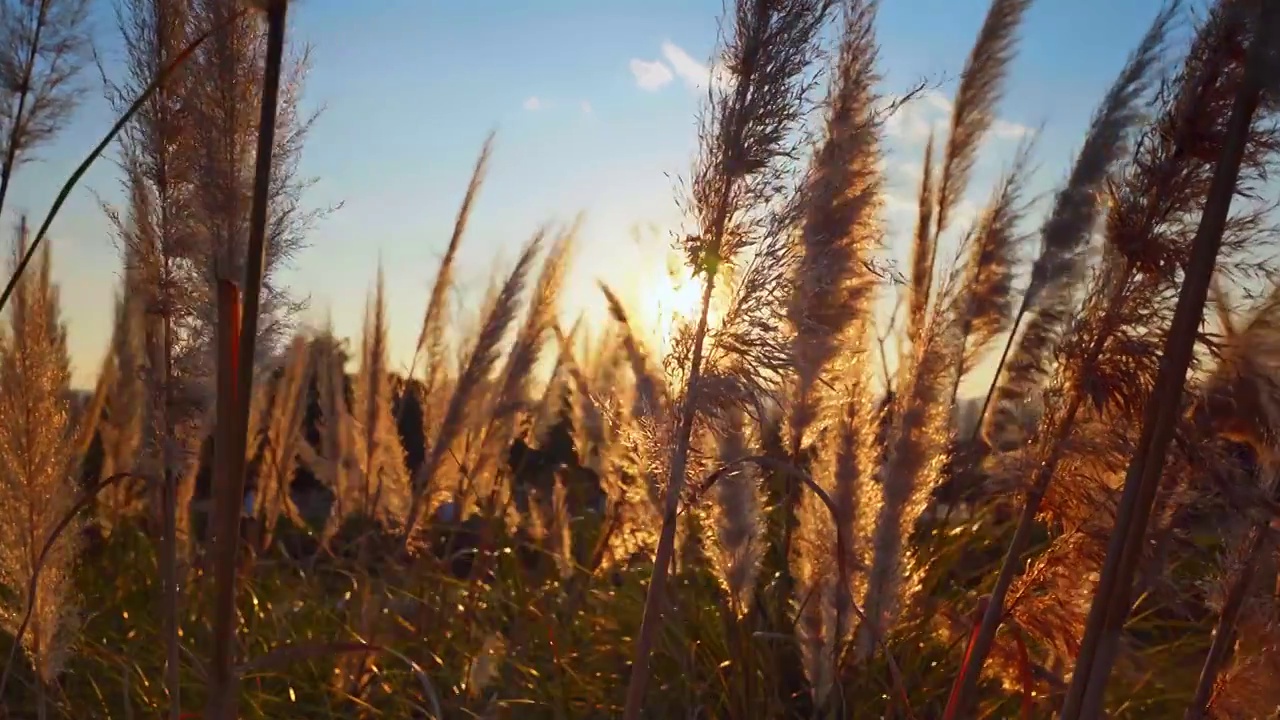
101	147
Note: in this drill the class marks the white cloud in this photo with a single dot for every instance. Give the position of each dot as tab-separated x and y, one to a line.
965	214
895	204
910	170
695	74
650	75
938	101
914	120
586	108
1010	130
654	75
534	103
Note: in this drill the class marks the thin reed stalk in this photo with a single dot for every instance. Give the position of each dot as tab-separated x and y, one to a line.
1111	601
746	146
226	502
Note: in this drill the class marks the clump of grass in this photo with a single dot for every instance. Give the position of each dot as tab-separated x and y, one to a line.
742	521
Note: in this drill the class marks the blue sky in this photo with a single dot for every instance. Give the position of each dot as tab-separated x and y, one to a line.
411	87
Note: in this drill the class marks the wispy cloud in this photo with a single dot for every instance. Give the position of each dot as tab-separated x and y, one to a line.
902	209
694	73
533	103
653	75
586	107
1009	130
932	112
650	75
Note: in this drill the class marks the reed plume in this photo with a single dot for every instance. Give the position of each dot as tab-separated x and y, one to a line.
1056	271
38	470
1065	234
385	488
737	541
221	101
832	293
746	145
334	461
431	341
277	439
916	446
511	399
650	390
832	286
120	433
982	309
922	249
972	114
483	356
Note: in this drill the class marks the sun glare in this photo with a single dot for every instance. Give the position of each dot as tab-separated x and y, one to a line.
675	299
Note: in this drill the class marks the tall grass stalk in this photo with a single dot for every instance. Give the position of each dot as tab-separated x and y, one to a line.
745	146
1069	224
1111	601
233	426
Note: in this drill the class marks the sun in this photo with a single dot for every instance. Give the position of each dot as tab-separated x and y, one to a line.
675	300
